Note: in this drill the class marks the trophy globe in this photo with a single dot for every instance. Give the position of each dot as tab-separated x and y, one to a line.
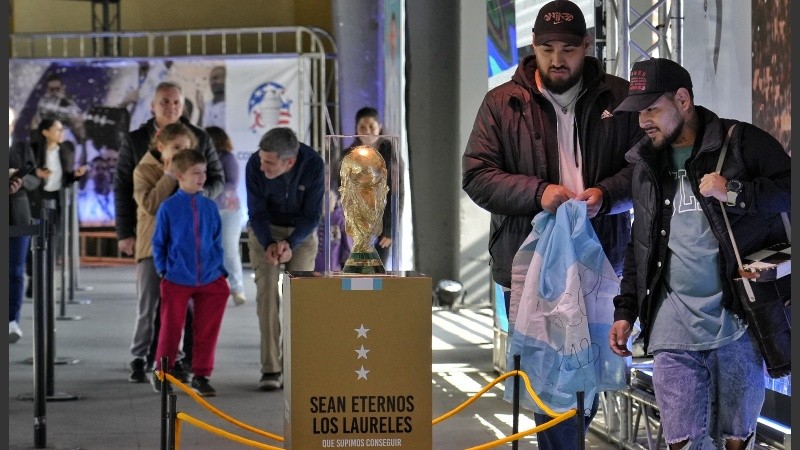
363	190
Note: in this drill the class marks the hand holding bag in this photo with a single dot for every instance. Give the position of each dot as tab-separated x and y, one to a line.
765	299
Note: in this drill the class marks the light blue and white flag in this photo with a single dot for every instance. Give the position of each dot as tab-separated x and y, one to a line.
562	290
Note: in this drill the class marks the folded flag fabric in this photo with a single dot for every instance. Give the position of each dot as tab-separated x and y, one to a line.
561	311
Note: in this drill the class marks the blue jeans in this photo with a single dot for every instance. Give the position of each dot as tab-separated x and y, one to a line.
145	332
232	258
17	254
563	436
711	395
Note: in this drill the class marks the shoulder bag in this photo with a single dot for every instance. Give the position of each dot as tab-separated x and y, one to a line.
764	291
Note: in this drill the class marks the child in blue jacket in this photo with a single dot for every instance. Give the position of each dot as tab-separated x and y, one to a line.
187	253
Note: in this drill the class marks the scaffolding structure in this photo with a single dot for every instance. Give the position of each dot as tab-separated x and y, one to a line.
626	35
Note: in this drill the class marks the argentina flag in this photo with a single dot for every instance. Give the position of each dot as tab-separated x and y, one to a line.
562	290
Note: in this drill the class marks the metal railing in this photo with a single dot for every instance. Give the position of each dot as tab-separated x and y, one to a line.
306	43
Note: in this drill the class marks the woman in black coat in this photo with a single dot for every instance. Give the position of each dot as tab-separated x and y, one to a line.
55	161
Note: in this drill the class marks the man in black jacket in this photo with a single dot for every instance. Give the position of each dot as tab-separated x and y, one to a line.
167	107
285	184
680	262
547	136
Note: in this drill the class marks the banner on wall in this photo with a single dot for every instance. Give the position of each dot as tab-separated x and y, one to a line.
263	97
719	71
99	102
752	84
772	69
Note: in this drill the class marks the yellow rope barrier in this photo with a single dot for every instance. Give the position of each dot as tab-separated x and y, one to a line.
223	433
219	413
469	401
535	397
178	431
477	395
551	423
557	417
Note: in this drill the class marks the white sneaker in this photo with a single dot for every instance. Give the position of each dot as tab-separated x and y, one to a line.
239	298
14	332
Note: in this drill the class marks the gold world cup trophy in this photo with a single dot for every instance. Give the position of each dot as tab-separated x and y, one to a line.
363	193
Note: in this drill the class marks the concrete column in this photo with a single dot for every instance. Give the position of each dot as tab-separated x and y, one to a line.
433	134
473	268
356	28
446	81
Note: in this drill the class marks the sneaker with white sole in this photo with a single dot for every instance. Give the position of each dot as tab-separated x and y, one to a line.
14	332
138	371
270	381
201	386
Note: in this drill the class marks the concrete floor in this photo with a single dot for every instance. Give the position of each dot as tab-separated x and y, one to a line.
110	413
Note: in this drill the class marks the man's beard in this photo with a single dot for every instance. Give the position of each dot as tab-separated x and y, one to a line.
561	86
669	139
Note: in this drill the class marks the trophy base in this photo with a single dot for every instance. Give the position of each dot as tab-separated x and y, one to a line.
364	263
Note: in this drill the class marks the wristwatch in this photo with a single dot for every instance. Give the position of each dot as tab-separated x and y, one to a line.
734	187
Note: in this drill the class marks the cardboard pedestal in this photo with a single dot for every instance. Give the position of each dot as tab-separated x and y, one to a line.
357	361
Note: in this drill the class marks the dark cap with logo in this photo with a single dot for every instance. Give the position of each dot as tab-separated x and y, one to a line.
650	79
560	20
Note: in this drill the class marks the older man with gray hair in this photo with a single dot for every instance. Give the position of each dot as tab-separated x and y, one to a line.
284	181
167	107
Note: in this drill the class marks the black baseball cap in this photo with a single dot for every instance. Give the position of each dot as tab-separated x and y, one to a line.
559	20
650	79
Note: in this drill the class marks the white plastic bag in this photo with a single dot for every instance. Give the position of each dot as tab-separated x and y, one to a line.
562	290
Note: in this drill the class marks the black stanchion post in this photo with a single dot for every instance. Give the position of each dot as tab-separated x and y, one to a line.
173	418
66	201
42	316
515	420
74	259
39	324
164	413
48	211
50	340
581	421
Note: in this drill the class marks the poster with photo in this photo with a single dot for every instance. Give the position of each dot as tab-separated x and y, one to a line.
98	102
